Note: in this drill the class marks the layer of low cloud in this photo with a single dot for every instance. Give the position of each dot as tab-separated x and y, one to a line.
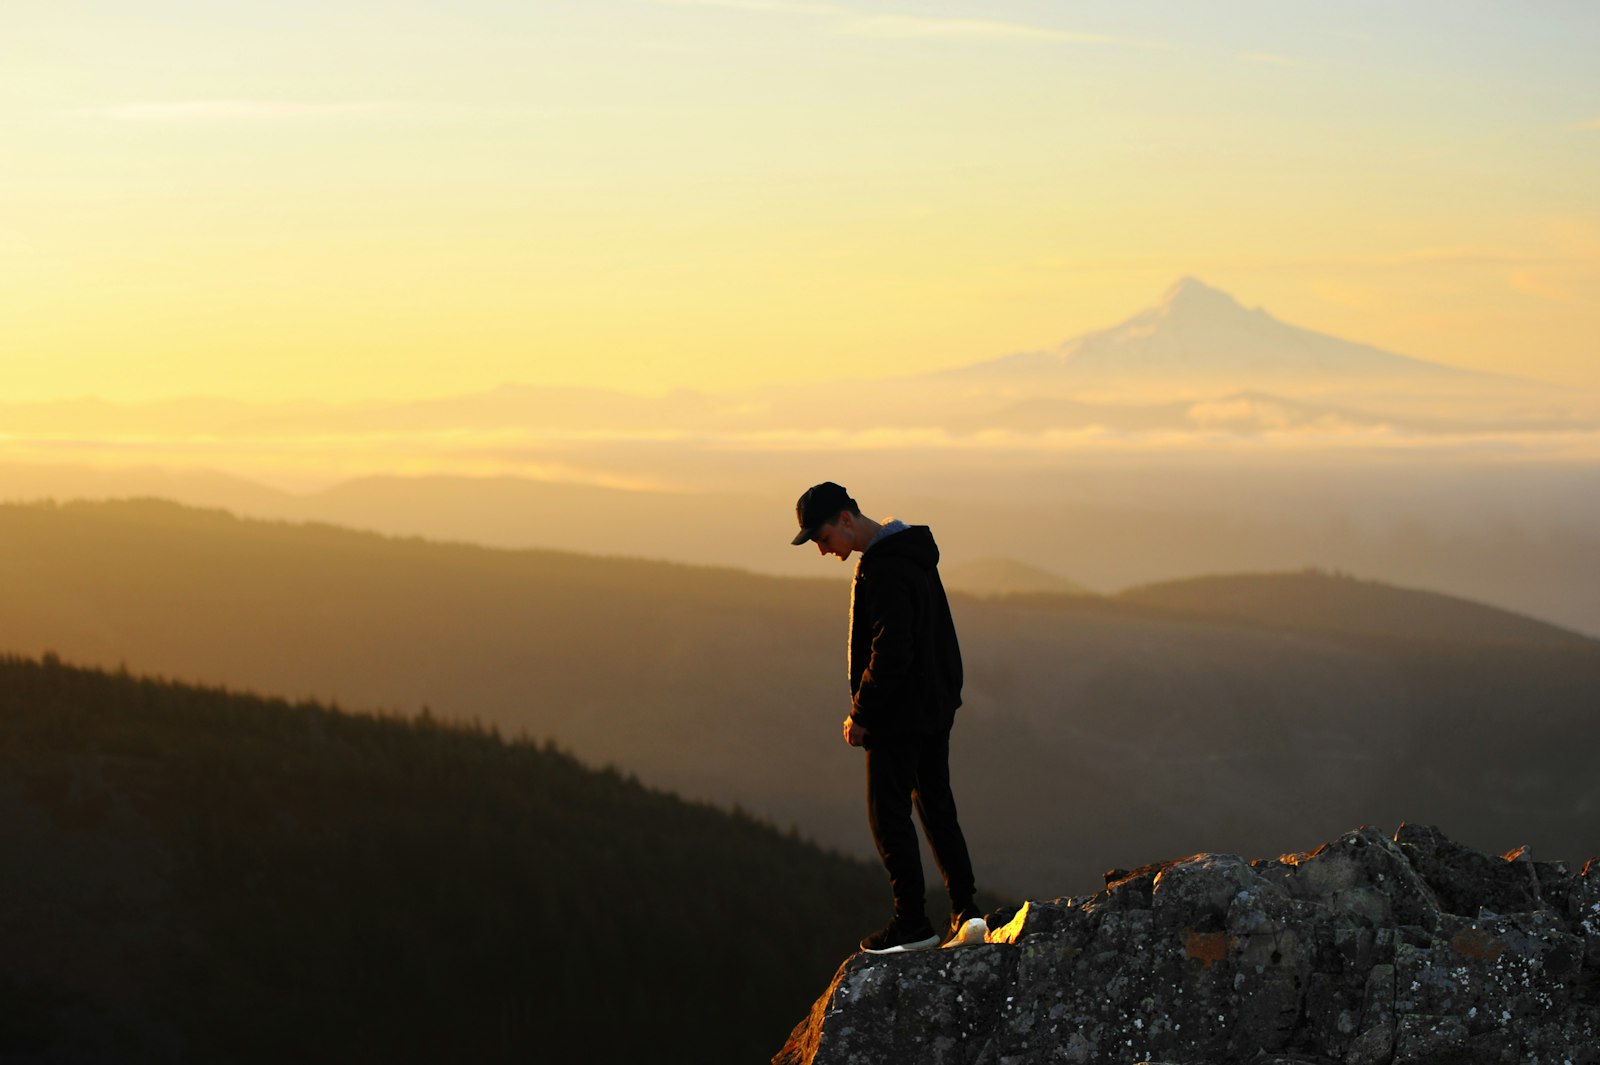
186	111
1226	426
1270	59
853	22
991	29
785	7
1464	255
1539	286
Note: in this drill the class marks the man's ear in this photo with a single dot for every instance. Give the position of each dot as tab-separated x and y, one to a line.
846	521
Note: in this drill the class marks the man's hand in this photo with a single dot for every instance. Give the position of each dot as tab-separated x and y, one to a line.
854	734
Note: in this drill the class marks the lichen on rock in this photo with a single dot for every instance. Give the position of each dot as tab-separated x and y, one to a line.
1368	950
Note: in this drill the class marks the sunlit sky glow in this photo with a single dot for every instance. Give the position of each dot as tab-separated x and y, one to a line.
349	199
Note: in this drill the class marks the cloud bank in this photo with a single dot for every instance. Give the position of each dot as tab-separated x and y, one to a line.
188	111
852	22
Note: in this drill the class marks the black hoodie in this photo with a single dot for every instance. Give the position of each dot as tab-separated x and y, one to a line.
905	663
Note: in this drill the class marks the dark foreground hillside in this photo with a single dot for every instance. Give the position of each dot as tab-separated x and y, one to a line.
196	875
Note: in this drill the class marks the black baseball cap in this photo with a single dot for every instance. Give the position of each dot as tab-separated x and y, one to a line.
818	505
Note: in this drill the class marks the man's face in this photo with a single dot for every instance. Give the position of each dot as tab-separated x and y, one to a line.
835	539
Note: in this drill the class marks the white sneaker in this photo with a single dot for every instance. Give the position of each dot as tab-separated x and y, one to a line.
898	936
967	933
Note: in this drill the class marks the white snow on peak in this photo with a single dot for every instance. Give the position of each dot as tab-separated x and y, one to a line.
1201	333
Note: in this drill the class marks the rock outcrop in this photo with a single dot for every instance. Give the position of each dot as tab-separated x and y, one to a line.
1369	950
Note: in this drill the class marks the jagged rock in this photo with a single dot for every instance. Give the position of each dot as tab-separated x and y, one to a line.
1465	880
1368	950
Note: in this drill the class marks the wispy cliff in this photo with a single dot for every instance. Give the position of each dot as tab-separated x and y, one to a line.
1369	950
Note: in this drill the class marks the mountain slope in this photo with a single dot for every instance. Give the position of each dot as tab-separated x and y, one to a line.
1314	601
726	686
196	875
1006	576
1520	536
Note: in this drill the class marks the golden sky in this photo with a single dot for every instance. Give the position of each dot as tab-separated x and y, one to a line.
348	199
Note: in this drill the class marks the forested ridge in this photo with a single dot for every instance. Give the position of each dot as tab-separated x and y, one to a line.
198	874
1235	714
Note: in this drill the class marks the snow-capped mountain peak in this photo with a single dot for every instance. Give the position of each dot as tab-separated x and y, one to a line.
1200	335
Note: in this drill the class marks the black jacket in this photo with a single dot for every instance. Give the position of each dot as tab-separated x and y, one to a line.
905	663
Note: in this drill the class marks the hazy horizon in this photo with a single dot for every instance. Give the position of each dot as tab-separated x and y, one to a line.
1118	296
1196	436
1195	373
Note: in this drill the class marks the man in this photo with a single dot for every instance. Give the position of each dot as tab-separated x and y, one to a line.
905	684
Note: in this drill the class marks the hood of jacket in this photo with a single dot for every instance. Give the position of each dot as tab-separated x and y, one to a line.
914	543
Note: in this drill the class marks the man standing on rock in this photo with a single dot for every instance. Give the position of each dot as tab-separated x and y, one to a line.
905	683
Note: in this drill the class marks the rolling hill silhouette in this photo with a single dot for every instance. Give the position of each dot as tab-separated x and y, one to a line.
1316	601
1006	576
1094	730
1520	537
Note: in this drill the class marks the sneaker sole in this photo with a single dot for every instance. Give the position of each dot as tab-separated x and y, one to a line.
920	944
973	933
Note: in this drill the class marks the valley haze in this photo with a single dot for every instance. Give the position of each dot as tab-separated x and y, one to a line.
1196	436
1233	714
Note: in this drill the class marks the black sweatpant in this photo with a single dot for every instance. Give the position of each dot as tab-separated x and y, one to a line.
915	770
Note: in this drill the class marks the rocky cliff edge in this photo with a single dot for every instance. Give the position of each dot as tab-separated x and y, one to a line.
1369	950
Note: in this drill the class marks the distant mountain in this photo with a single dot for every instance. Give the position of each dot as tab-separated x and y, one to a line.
1201	336
194	875
1196	369
1316	601
727	686
1518	535
1198	372
1006	576
31	482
